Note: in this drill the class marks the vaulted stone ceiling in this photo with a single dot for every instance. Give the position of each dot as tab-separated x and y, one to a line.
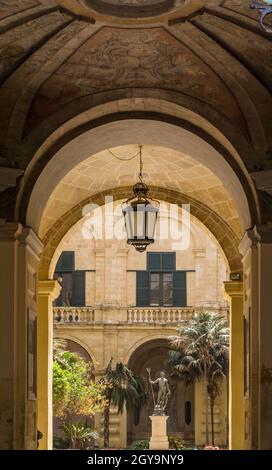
163	168
58	55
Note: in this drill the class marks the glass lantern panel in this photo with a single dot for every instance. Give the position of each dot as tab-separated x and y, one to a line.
151	224
128	225
140	216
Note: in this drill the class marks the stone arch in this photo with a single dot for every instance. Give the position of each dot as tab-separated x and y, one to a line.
142	341
216	225
152	352
71	337
139	100
124	127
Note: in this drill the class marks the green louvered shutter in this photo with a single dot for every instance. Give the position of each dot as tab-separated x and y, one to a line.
179	289
66	262
154	261
78	298
161	262
142	291
168	262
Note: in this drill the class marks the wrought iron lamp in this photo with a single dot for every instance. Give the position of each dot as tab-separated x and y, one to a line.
140	213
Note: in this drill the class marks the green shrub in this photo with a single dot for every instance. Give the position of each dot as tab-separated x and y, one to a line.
61	443
139	445
175	443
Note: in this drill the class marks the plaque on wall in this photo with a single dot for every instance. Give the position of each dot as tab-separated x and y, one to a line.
32	355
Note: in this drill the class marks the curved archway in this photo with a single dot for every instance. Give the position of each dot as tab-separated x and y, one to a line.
72	338
77	116
55	161
71	344
123	129
216	225
152	354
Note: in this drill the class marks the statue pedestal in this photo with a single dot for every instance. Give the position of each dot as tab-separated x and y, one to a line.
159	438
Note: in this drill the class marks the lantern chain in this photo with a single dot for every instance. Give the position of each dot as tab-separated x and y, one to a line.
141	165
124	159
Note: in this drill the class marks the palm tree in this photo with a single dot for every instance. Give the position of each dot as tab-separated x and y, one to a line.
200	350
122	388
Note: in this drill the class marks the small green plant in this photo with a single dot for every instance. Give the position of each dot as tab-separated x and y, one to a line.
139	445
79	435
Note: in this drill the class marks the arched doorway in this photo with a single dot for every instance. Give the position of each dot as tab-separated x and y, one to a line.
153	354
172	136
64	344
52	165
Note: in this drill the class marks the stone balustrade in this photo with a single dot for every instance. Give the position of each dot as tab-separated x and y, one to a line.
73	315
133	315
158	315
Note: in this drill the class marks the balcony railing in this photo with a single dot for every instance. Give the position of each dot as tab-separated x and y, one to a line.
133	315
73	315
158	315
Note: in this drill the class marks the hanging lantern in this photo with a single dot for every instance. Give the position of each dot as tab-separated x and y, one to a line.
140	215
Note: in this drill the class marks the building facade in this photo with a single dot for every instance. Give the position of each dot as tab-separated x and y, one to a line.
118	303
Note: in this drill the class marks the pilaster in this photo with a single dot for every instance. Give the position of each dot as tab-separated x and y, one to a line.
48	291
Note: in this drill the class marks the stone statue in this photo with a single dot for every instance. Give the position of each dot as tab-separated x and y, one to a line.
163	393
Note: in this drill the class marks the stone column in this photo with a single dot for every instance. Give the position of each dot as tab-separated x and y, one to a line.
48	291
121	286
99	416
199	413
200	280
20	250
248	250
256	248
234	290
99	280
263	235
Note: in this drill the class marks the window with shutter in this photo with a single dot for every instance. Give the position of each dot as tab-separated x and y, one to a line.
161	261
179	289
73	282
168	261
143	289
78	295
154	261
161	285
66	262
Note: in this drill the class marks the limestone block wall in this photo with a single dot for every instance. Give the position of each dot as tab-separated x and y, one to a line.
111	267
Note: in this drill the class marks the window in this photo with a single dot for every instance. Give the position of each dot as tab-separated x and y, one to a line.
72	281
161	285
161	289
161	261
66	262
